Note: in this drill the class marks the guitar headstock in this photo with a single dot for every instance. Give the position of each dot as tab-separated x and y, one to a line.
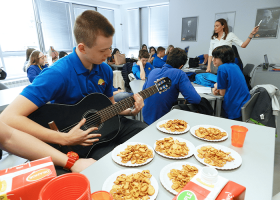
163	84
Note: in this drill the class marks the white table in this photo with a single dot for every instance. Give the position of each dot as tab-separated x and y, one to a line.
8	95
255	173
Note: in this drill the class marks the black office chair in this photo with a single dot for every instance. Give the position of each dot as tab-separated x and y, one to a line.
248	107
248	69
3	87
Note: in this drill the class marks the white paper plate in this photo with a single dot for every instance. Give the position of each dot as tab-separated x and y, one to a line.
188	143
173	133
164	179
193	129
108	184
229	165
122	147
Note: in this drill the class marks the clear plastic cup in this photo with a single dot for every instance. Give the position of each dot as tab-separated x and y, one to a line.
209	175
238	134
101	195
65	187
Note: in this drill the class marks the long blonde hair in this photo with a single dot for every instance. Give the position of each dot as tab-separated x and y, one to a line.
168	48
34	58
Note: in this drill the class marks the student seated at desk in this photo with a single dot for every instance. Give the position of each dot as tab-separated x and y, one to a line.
168	50
68	81
230	84
158	105
28	53
111	59
31	148
142	69
37	62
152	53
158	62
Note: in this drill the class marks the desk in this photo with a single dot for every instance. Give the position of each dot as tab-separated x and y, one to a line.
265	77
8	95
255	173
117	67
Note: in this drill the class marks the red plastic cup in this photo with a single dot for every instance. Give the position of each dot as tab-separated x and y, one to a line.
101	195
238	134
65	187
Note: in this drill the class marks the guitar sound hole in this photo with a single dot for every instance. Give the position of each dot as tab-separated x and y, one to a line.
93	120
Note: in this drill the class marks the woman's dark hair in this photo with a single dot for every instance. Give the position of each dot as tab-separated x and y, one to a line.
115	51
28	53
152	48
225	53
236	55
223	23
62	54
143	45
177	57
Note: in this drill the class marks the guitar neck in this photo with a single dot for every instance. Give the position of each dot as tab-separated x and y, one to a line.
122	105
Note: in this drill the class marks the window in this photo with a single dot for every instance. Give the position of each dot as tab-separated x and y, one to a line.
79	9
144	16
55	22
18	32
158	34
109	14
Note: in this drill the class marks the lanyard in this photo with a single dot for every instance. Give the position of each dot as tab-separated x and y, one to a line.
40	67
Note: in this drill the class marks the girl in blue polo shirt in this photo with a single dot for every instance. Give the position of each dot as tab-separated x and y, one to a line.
230	83
37	62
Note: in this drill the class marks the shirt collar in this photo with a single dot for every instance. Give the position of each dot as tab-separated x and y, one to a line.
167	65
78	65
216	38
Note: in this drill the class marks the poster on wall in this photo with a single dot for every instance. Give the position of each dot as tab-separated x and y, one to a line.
189	29
229	17
270	22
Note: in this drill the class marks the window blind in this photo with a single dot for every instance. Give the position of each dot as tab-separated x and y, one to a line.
159	26
144	16
55	22
133	29
79	9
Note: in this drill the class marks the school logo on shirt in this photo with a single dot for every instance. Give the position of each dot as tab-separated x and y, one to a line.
149	68
101	82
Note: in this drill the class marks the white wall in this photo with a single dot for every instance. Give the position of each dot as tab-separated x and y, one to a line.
244	22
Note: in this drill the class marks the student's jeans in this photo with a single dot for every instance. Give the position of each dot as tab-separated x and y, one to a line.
122	95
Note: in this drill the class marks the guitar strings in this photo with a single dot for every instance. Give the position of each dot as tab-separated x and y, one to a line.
93	120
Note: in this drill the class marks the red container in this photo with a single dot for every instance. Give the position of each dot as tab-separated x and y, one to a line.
66	187
238	134
101	195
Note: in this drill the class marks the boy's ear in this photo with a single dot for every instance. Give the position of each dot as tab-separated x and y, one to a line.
81	47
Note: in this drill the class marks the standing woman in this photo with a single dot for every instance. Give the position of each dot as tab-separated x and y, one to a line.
37	62
221	36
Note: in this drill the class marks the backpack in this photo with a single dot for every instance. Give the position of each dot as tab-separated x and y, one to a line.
127	69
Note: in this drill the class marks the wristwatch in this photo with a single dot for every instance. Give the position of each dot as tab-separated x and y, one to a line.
72	158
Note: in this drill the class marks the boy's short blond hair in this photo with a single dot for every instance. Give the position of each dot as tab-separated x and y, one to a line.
159	49
89	25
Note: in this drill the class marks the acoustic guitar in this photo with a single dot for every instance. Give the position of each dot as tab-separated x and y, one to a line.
98	111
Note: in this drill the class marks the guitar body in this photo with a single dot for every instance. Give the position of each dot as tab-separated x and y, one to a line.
66	116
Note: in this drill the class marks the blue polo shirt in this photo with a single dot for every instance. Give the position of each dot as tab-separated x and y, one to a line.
136	70
230	77
158	62
158	105
164	58
67	81
33	71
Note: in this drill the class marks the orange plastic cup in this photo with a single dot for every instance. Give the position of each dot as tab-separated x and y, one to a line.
65	187
238	134
101	195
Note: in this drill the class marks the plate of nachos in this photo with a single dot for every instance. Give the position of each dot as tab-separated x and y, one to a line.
125	184
209	133
218	156
176	175
174	127
174	148
133	154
